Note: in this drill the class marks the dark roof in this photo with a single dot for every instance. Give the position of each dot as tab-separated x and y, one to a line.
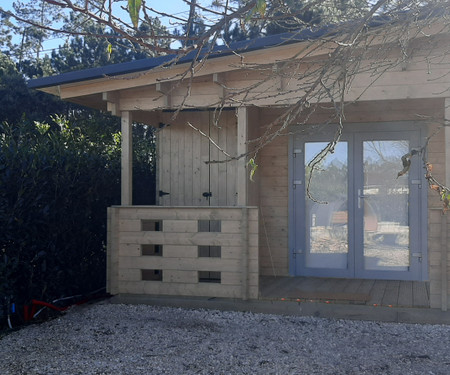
219	51
150	63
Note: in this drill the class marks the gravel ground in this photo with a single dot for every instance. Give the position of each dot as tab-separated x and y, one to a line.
138	339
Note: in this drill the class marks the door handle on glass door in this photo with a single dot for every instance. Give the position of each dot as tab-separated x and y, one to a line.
360	197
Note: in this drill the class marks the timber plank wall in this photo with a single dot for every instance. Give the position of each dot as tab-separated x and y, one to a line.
273	181
161	251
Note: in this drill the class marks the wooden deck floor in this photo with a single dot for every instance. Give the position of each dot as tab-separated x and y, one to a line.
352	291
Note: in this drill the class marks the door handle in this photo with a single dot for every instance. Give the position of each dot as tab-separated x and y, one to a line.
360	197
162	193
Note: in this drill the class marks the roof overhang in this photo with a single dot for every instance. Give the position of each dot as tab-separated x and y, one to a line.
163	62
166	82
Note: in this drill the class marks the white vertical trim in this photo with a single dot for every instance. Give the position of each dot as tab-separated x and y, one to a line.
242	137
127	160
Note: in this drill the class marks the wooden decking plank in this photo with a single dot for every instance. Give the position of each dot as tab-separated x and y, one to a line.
373	292
325	284
289	284
270	286
310	284
299	280
327	289
390	297
265	281
338	285
353	285
306	288
405	294
347	290
420	294
377	292
366	286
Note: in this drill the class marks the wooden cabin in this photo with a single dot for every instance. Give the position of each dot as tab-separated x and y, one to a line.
216	233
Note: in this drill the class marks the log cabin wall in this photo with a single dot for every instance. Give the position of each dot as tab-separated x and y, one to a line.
158	251
438	224
272	178
274	186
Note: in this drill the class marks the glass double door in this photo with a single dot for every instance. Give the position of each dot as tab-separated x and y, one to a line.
359	217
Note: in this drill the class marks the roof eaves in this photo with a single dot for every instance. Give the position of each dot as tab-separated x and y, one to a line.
151	63
219	51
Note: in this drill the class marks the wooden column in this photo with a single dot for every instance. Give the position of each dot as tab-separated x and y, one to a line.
242	137
447	142
245	254
112	254
241	188
127	160
445	246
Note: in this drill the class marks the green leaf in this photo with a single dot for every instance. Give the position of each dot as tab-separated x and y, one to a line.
261	6
253	167
134	7
41	127
109	50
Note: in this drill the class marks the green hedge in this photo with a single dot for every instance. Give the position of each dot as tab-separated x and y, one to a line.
55	185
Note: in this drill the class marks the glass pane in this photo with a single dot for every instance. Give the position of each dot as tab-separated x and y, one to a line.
385	204
327	222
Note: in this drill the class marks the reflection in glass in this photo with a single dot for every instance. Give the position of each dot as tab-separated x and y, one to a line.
327	224
385	204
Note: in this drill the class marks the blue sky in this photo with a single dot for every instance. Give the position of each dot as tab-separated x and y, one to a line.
177	7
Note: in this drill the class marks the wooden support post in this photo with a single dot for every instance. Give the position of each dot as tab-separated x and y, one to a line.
447	141
445	247
444	259
242	135
245	254
241	188
112	255
127	160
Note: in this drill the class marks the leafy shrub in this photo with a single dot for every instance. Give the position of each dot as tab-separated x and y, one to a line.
55	186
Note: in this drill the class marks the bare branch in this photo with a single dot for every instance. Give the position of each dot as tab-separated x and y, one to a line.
213	142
